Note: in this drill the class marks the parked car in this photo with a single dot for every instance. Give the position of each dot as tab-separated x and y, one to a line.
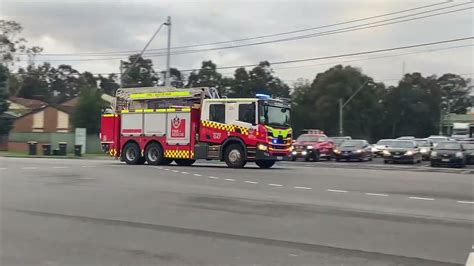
406	138
353	150
312	146
469	151
381	145
425	146
448	153
402	151
339	140
437	139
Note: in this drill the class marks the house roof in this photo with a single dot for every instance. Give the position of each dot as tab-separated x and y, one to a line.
71	102
28	103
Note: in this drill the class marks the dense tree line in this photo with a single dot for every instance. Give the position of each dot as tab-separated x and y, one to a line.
412	107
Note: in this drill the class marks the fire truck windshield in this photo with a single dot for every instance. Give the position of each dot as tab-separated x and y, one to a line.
272	115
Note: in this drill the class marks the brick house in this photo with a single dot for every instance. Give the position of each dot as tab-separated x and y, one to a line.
34	116
46	119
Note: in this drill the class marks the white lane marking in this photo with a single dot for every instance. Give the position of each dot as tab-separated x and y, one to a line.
29	168
470	259
3	168
175	171
418	198
229	179
466	202
302	187
85	178
159	167
337	190
376	194
275	185
250	182
60	167
293	255
88	166
184	173
197	175
213	177
166	169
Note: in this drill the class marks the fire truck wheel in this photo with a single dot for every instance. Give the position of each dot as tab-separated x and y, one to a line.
265	164
234	156
154	154
184	162
131	153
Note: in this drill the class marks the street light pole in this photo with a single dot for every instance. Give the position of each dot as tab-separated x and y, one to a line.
168	71
341	107
341	130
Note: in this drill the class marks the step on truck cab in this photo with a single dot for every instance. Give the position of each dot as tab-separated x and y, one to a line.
162	125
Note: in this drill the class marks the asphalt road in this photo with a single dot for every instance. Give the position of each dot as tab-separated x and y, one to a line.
101	212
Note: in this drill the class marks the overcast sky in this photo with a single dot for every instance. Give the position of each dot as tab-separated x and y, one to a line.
87	26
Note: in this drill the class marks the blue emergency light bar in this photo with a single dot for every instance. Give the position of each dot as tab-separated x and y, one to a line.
262	96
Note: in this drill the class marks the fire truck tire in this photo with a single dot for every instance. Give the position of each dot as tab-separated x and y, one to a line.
131	153
154	154
184	162
234	156
265	164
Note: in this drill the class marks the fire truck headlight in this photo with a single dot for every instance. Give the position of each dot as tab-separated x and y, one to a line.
304	153
310	147
294	153
262	147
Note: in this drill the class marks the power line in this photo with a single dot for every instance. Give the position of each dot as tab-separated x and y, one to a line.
279	34
347	55
349	29
377	57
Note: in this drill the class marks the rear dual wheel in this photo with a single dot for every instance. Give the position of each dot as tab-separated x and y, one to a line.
154	155
131	154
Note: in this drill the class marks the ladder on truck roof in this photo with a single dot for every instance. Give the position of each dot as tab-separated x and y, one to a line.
161	97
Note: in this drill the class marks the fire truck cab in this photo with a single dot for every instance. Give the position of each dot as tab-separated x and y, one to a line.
162	125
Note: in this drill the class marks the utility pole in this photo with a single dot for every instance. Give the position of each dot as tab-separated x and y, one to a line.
121	74
341	130
168	72
341	107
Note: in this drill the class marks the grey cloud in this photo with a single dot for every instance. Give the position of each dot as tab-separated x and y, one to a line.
91	26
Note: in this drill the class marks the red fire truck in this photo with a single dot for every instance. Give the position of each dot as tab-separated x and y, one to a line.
162	125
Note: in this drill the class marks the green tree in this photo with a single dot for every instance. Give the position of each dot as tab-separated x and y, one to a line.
207	76
455	91
11	45
316	105
240	86
413	106
262	80
176	77
141	74
88	110
109	84
5	122
33	82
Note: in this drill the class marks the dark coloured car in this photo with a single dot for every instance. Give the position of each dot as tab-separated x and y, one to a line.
448	154
468	151
359	150
425	146
312	147
339	140
402	151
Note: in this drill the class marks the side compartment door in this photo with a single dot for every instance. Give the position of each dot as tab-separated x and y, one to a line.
178	128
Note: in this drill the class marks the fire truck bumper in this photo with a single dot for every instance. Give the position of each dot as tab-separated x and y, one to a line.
265	155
